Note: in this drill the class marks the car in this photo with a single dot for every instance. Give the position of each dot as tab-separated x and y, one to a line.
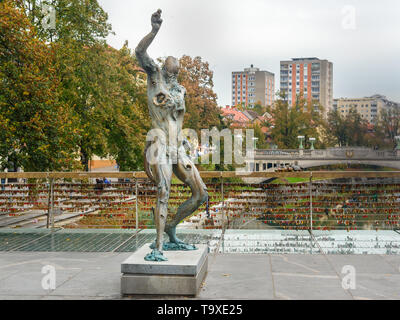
297	168
289	168
281	168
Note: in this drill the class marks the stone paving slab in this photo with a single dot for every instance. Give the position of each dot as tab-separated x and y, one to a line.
365	264
377	286
95	275
302	264
237	276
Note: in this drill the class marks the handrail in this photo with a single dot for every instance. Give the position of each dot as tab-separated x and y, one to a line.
205	174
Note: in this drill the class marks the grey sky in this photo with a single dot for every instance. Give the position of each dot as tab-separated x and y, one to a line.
232	34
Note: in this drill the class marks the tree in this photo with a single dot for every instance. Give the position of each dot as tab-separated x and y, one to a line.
261	138
82	64
36	126
349	130
289	122
389	124
337	128
202	111
83	21
93	98
127	122
259	108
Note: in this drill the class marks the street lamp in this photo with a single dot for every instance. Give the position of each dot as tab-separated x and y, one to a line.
312	140
301	138
239	136
255	140
397	139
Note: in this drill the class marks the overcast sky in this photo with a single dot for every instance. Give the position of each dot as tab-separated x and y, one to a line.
232	34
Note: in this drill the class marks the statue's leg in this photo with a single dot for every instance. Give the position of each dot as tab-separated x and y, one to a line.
187	173
162	174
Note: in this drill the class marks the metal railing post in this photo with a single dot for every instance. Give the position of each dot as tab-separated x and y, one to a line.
311	205
136	204
222	201
311	208
51	205
48	204
311	214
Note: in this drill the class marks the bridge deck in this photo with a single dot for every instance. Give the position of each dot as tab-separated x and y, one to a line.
84	275
87	263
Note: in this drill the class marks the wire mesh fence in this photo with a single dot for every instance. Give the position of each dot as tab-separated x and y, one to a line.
127	200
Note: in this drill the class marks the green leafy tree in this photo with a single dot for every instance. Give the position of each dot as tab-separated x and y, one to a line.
259	108
289	122
83	21
36	125
82	64
261	138
127	121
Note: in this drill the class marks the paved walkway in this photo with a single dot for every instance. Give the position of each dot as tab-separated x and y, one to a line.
81	275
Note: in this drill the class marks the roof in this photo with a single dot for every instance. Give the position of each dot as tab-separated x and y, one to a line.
252	115
234	115
266	115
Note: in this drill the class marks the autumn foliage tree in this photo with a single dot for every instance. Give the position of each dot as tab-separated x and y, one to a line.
66	95
202	111
35	123
99	83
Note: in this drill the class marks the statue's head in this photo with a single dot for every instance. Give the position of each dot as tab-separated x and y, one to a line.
171	66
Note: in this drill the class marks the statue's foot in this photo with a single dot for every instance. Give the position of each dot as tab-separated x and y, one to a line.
175	243
173	246
171	232
155	255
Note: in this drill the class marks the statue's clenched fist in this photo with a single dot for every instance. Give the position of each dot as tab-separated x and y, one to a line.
156	20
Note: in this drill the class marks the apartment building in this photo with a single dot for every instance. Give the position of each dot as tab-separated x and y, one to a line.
311	78
253	86
368	107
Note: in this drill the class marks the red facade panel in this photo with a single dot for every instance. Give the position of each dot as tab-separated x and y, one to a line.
293	83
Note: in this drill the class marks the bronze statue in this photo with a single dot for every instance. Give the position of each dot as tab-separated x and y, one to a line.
166	102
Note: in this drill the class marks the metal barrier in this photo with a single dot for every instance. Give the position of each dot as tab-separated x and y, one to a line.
319	200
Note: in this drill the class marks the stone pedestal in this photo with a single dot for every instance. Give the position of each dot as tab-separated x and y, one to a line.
182	274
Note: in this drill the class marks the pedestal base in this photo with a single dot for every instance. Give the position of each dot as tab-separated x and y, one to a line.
182	274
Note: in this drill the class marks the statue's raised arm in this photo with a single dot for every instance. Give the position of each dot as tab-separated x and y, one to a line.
141	50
